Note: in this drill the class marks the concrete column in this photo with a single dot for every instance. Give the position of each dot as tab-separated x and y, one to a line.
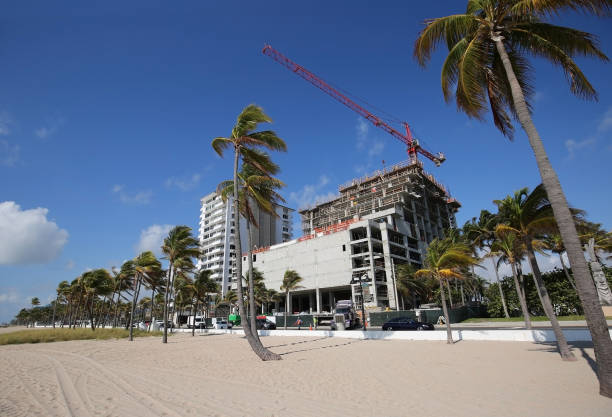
318	296
388	268
415	221
331	300
310	302
371	269
289	306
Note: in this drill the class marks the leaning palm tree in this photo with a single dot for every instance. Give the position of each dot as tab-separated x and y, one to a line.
61	290
291	282
257	188
179	247
487	66
554	243
529	216
244	139
442	261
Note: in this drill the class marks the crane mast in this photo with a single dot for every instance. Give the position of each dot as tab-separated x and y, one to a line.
412	144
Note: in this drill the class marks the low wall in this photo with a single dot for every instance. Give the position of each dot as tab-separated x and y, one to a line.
511	335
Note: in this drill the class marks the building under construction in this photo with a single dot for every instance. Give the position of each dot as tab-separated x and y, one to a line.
351	243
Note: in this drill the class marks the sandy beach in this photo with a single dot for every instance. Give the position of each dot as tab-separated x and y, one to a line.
218	375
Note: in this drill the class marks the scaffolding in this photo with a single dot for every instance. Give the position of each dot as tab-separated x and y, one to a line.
405	186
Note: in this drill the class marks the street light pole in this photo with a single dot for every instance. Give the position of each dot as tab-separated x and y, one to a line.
363	302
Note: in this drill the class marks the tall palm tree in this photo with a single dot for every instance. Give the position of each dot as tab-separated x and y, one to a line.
257	188
442	261
529	216
61	289
486	64
95	283
179	247
509	249
244	139
554	243
481	233
408	285
291	282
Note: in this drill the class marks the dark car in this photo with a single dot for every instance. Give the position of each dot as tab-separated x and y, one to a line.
265	324
406	323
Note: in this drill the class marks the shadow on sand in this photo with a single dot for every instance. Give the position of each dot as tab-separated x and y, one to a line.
574	346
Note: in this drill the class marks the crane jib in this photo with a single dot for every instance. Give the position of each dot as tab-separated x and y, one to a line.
413	145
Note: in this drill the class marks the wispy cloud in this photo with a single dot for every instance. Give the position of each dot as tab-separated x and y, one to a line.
605	123
573	146
50	128
9	153
604	126
365	141
10	297
138	197
183	183
69	265
5	122
312	193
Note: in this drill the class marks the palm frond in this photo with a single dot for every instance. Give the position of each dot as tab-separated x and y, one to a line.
220	144
553	7
454	27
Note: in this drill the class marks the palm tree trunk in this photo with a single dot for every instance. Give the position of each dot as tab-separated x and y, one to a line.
166	301
286	306
566	353
152	309
252	305
263	353
193	310
449	333
501	291
567	274
450	295
567	228
519	293
462	294
54	307
134	301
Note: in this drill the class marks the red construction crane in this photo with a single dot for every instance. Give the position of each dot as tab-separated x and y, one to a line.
411	143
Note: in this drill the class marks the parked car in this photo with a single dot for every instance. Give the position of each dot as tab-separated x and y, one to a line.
219	323
160	324
265	324
406	323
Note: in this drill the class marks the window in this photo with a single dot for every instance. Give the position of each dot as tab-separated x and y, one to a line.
343	248
254	258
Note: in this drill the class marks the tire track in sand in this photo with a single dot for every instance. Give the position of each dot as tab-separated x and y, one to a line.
72	398
123	386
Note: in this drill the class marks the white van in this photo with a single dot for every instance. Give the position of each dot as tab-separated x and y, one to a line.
219	323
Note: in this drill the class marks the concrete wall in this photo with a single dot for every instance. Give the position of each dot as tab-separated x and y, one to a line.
321	262
572	335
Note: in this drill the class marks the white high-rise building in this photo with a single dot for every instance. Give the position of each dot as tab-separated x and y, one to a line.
216	235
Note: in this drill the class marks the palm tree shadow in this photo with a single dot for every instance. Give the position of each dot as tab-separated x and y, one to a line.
581	346
322	347
297	343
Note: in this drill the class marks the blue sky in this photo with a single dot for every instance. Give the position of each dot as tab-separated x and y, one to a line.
107	113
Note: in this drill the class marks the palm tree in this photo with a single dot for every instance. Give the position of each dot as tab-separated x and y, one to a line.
144	266
257	188
61	289
442	260
179	247
408	285
244	140
481	234
554	243
95	283
291	282
486	64
529	216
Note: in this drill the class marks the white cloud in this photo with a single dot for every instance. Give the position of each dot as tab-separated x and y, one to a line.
573	146
606	122
183	184
27	236
140	197
52	126
9	154
151	238
10	297
69	265
312	193
376	148
5	122
362	133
